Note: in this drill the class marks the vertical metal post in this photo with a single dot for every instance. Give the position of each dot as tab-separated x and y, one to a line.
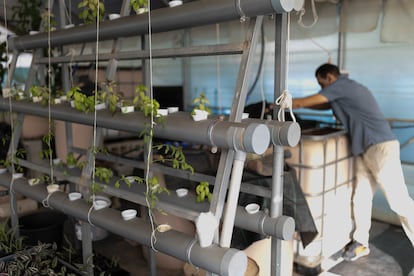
281	21
341	42
227	156
87	248
65	69
14	144
116	46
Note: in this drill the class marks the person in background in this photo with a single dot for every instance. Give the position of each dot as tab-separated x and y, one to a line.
375	148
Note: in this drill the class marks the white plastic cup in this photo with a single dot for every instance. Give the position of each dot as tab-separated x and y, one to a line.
252	208
51	188
181	192
74	196
113	16
129	214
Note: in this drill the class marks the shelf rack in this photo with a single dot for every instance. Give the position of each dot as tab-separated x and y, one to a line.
233	136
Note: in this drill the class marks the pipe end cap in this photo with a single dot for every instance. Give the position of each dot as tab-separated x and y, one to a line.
257	138
234	262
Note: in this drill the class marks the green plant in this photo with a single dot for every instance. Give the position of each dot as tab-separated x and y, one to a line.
110	96
149	107
41	92
26	15
71	160
89	10
48	152
14	160
81	101
104	174
41	259
48	21
201	103
167	153
136	5
203	191
9	243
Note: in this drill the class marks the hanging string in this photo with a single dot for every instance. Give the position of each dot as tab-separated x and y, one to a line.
95	111
45	202
149	155
49	75
315	20
285	99
314	14
89	214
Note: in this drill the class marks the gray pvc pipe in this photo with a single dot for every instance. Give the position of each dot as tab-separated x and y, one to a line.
222	261
252	137
281	133
196	13
282	227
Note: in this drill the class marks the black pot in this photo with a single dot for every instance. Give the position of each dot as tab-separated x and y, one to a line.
44	226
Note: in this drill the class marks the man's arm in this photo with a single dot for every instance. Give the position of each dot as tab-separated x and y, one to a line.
315	101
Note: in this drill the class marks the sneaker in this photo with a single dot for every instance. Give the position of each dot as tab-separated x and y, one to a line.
355	250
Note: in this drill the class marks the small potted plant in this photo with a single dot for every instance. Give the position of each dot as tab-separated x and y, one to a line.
48	21
12	162
201	109
80	101
110	96
71	160
139	6
127	107
89	11
39	94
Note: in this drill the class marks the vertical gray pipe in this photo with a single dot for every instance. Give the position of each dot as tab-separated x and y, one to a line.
278	151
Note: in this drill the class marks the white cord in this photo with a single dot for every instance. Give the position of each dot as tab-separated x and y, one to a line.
90	212
147	175
49	76
285	99
45	202
285	102
314	13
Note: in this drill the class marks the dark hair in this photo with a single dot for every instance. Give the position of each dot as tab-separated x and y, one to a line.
326	68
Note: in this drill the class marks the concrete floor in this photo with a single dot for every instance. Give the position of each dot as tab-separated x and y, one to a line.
391	255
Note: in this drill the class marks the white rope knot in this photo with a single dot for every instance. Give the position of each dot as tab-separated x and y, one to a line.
285	102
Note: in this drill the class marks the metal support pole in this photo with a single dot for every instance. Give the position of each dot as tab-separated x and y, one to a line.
13	147
281	24
232	199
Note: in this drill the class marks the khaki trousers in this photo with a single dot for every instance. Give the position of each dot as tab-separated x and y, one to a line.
380	166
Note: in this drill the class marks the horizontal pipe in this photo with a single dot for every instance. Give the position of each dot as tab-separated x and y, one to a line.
260	222
218	260
192	14
205	50
281	133
282	227
179	126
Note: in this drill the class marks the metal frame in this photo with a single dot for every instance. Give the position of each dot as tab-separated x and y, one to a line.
233	136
